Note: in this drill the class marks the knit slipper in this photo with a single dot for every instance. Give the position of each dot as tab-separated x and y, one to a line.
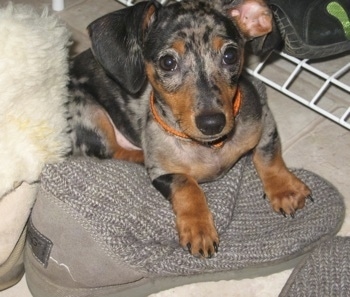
313	29
99	228
325	272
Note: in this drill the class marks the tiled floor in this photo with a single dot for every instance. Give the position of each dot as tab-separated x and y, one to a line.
309	141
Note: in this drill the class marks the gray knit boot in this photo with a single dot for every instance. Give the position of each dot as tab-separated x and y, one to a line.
325	272
100	229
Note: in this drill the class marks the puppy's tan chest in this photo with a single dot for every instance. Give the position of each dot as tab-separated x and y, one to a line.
209	164
203	163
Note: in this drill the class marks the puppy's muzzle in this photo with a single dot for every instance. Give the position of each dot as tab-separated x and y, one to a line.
210	123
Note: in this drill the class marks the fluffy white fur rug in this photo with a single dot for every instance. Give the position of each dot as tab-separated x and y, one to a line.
33	128
33	77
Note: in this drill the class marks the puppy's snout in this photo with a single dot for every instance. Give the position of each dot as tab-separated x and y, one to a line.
211	123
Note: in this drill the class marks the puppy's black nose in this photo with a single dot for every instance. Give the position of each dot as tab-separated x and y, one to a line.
211	123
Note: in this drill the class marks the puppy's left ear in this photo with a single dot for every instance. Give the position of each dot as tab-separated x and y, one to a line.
116	41
253	17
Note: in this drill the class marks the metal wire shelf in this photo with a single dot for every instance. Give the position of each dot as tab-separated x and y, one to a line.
327	80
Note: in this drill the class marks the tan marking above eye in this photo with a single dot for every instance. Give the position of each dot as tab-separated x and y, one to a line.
179	46
218	43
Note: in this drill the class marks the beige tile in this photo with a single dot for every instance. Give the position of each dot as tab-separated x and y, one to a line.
232	288
19	290
78	14
82	13
324	149
292	118
80	41
35	3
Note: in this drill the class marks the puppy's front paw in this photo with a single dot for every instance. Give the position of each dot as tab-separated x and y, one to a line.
287	193
198	235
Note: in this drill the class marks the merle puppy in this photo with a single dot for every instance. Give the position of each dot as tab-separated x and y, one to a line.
163	86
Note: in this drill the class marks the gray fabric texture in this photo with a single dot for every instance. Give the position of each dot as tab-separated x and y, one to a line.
325	272
125	212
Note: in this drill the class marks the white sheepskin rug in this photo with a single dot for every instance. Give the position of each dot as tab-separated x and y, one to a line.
33	79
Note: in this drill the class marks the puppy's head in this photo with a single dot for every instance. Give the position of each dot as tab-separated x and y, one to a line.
190	52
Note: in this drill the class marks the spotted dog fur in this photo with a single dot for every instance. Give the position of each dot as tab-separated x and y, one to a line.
159	87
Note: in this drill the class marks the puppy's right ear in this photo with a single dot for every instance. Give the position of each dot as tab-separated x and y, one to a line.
253	17
116	41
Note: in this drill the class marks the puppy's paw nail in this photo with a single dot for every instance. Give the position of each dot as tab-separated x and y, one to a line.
283	213
216	247
311	198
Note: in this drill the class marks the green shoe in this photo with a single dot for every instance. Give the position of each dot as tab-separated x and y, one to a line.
313	29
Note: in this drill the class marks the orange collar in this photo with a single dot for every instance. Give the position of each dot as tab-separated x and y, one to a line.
236	106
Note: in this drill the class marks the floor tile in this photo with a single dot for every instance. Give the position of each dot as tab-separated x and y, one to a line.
292	118
80	15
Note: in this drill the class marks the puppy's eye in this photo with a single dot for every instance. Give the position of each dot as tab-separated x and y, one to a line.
168	63
230	56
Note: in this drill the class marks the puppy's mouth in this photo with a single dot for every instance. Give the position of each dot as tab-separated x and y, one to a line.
212	139
214	142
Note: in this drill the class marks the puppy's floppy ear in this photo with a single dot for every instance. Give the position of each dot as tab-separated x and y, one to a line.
116	41
253	17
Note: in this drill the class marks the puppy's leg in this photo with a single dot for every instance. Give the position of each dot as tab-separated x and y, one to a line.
93	134
286	192
117	143
194	220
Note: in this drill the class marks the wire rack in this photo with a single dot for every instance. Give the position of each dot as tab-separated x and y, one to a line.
323	86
